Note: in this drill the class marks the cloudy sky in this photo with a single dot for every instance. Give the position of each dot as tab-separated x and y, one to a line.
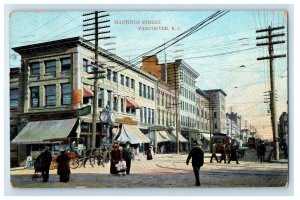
224	52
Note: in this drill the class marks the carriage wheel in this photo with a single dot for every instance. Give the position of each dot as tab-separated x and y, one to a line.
74	163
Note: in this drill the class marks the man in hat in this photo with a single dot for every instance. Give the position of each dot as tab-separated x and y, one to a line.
115	158
45	160
127	156
197	156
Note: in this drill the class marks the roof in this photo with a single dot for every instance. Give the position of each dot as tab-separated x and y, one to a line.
37	132
75	41
215	90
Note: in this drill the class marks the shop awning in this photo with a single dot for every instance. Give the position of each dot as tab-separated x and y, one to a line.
132	134
87	92
38	132
206	136
163	136
131	103
180	137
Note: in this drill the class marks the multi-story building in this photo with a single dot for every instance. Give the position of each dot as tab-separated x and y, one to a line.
233	125
202	118
167	102
56	90
217	106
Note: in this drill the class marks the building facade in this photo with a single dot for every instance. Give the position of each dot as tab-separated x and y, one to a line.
217	106
233	125
56	83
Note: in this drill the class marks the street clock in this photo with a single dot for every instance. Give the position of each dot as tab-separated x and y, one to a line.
104	116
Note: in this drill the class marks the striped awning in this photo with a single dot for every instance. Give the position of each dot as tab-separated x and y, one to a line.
163	136
180	137
132	134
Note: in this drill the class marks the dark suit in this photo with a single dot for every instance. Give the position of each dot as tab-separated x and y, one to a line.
197	156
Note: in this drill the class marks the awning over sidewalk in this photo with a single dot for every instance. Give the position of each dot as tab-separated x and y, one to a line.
132	134
37	132
163	136
131	103
180	137
206	136
87	92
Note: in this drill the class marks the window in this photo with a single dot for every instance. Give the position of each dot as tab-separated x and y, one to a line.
115	104
216	125
65	94
108	74
158	116
50	95
115	77
149	115
122	79
101	97
140	89
163	117
50	66
109	98
149	94
35	68
85	65
141	115
145	91
127	81
132	83
215	114
65	64
34	97
145	114
122	104
152	116
14	98
152	93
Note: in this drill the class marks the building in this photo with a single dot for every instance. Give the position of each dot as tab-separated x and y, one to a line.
168	99
233	125
56	90
217	106
202	119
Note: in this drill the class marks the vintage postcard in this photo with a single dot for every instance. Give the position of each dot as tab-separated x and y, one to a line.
148	99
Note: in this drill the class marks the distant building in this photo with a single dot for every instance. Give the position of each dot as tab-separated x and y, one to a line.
217	106
233	125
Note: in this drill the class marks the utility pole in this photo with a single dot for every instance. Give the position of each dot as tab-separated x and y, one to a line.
176	106
92	24
271	56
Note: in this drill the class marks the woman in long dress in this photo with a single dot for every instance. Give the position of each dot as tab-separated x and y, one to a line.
63	167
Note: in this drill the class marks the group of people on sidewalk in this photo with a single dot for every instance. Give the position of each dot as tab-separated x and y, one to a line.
43	162
228	152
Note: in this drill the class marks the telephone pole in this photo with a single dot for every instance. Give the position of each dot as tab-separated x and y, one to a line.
92	24
270	35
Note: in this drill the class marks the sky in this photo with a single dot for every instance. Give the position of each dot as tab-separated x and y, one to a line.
224	52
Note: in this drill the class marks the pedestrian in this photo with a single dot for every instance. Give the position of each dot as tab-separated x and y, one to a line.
197	156
63	167
213	153
233	152
223	154
262	151
45	161
115	158
127	156
149	153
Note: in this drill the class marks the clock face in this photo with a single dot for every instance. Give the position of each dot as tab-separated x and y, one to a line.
104	117
112	117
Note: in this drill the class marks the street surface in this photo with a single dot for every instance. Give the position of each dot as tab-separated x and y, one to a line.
164	171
